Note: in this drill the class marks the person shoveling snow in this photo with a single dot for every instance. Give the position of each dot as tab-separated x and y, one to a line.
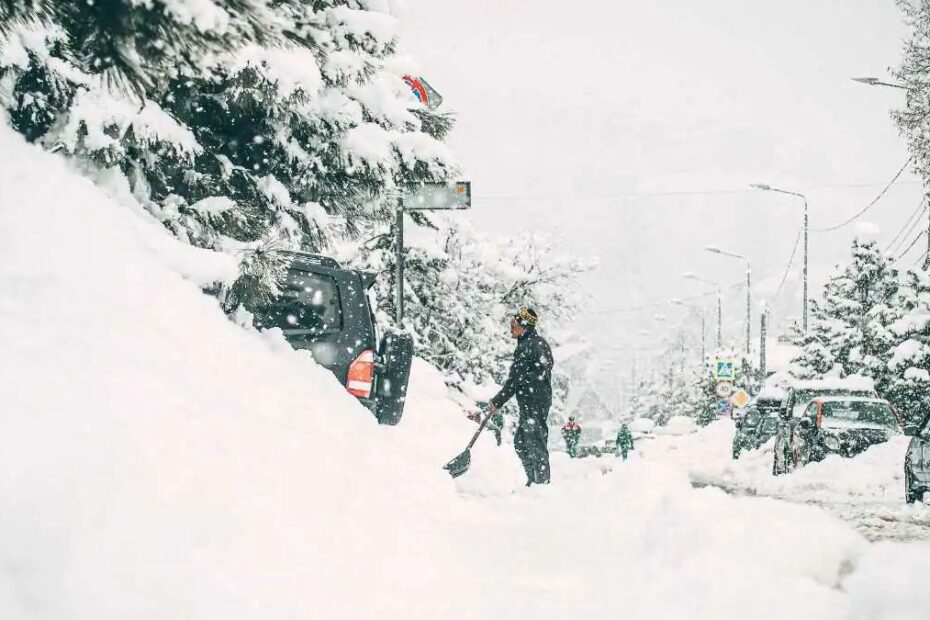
530	380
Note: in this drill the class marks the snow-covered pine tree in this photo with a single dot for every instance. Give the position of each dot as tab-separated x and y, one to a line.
913	120
461	287
292	125
850	325
909	384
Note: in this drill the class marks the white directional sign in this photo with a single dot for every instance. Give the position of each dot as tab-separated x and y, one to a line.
438	196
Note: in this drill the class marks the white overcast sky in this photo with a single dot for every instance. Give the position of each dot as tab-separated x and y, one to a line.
602	122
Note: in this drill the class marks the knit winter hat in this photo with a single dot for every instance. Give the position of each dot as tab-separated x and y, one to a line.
526	317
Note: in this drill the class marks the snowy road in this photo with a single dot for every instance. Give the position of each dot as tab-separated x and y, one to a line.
874	520
681	531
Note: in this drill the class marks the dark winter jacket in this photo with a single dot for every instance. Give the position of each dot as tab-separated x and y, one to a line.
530	378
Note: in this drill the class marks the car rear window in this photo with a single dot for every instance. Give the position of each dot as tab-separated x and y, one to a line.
801	398
309	304
859	412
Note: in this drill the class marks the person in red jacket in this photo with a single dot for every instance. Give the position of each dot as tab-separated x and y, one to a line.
571	433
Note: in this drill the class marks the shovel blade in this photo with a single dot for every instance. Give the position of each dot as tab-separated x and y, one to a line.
459	465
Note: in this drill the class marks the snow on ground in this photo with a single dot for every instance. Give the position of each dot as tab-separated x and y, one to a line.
158	461
867	490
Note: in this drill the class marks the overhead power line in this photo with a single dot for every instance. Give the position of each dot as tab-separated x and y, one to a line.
912	244
908	227
672	193
784	278
668	302
875	200
921	258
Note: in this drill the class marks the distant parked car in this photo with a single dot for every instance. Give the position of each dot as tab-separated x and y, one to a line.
678	425
917	463
758	425
843	425
325	308
642	428
800	394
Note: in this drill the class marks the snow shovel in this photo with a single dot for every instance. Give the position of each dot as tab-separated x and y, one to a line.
460	464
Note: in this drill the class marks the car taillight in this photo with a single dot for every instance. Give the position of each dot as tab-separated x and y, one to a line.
361	374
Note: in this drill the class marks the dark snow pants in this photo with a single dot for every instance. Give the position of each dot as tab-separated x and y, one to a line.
531	441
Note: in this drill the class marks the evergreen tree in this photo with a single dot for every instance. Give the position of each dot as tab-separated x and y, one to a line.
461	288
913	120
850	327
909	384
242	125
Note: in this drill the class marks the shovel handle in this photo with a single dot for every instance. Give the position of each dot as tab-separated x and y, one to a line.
481	426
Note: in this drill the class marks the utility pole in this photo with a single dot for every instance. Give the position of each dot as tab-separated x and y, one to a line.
703	341
719	318
769	188
748	308
399	266
763	328
806	259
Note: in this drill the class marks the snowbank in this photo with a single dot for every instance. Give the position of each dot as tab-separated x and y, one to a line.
157	461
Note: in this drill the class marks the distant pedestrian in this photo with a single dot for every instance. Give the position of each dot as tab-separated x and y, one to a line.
571	433
530	380
624	441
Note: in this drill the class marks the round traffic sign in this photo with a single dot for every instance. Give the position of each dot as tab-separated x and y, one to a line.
724	389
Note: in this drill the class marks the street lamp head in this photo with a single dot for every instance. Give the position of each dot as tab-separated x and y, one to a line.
713	248
871	81
689	275
761	186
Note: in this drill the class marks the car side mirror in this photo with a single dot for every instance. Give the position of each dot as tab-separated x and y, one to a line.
805	424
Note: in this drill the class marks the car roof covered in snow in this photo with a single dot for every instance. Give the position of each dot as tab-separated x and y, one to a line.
852	399
771	393
835	383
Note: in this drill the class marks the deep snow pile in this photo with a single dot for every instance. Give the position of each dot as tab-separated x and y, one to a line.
158	461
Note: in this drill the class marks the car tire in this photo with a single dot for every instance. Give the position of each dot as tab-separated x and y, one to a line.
910	496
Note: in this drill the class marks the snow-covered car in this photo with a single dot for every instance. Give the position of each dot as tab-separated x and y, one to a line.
642	428
327	309
843	425
917	463
800	394
587	450
758	425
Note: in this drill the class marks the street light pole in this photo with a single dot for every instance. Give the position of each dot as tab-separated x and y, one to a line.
700	312
763	333
716	250
769	188
873	81
692	276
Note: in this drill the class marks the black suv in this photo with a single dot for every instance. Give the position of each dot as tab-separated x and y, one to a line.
327	309
758	425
